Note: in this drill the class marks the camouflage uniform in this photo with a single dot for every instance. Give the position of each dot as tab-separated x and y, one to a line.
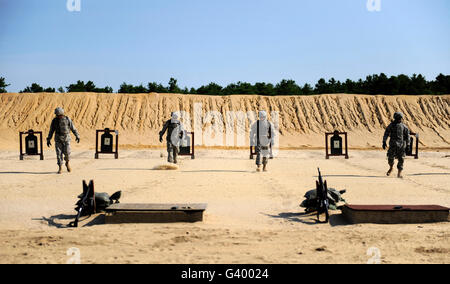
173	139
398	134
264	140
62	127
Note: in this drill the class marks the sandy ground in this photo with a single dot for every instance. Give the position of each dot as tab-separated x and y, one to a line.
251	217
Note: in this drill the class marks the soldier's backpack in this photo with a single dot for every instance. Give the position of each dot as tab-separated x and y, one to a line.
334	197
90	202
103	200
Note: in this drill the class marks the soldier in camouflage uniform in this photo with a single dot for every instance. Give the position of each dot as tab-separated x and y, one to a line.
175	132
262	136
398	135
61	126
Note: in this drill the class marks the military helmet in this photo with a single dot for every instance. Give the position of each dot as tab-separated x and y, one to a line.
262	115
398	116
59	111
175	115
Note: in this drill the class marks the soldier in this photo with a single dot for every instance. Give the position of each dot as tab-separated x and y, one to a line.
398	135
175	133
262	136
61	126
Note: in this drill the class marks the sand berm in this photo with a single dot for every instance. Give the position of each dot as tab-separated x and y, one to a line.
302	120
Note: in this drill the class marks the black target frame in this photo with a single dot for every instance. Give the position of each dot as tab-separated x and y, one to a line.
415	153
116	152
192	150
40	149
328	153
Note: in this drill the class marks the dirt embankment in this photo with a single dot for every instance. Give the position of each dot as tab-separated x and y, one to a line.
301	120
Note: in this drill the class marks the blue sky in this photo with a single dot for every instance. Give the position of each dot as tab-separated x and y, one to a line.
222	41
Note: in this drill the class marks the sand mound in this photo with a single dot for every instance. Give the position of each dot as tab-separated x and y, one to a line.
302	120
166	167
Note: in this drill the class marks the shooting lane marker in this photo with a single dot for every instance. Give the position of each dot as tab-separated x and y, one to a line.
395	214
121	213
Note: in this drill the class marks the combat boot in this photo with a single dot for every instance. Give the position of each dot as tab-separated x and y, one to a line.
400	174
175	156
389	171
60	169
68	167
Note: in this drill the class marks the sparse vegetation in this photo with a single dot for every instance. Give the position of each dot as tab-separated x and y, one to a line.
36	88
3	85
80	86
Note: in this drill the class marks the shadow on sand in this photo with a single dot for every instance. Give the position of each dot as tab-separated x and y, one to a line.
216	171
429	174
125	169
62	221
28	173
356	176
310	218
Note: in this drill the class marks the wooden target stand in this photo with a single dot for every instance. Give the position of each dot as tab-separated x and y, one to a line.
31	144
336	145
106	143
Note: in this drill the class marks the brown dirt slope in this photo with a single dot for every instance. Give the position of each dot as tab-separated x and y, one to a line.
302	119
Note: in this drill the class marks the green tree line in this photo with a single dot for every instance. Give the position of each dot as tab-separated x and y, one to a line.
79	86
372	84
